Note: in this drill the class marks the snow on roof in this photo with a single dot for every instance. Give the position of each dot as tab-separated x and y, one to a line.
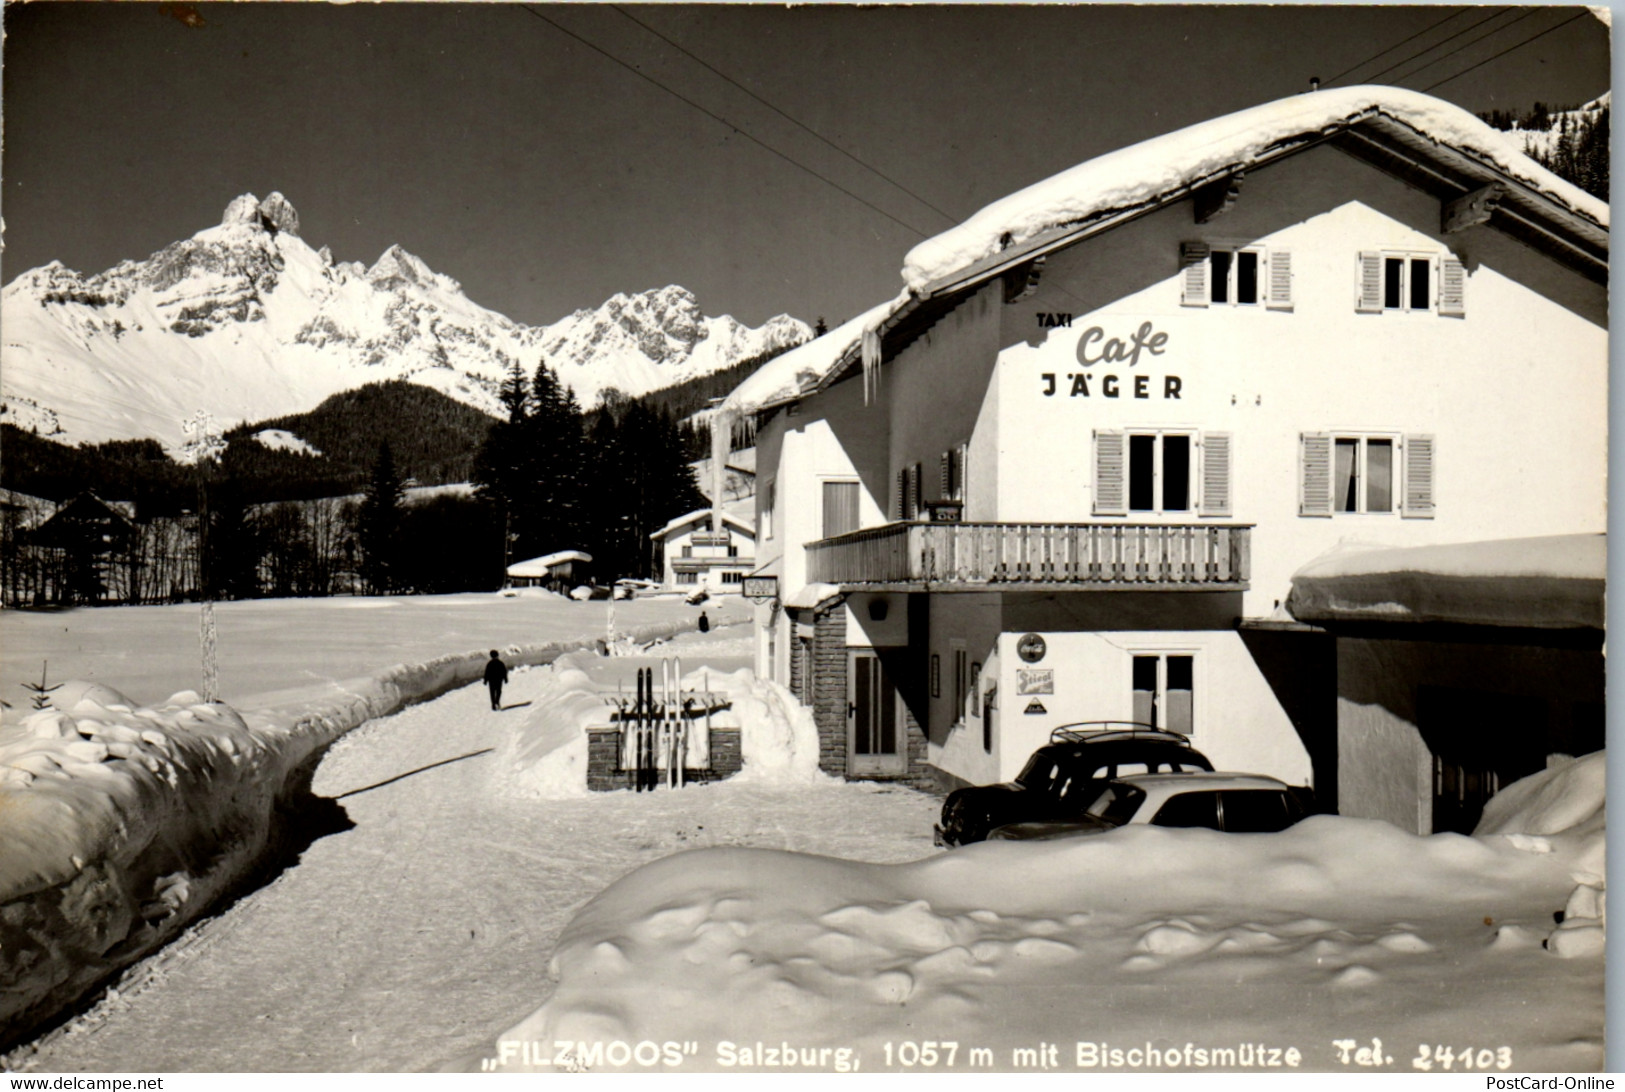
811	595
704	514
1552	582
539	566
1144	173
802	369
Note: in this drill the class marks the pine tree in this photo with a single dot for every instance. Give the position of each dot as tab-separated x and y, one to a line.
379	522
514	393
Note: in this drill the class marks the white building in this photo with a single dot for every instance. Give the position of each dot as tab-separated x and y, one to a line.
1151	389
559	571
694	554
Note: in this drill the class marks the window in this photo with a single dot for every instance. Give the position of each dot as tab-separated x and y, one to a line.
732	577
840	508
688	578
688	551
1231	276
1365	473
1161	471
768	491
1164	691
733	551
1405	281
936	675
1189	809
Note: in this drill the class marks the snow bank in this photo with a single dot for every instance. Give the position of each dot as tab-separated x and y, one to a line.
1144	173
1145	935
123	823
778	738
1562	809
546	757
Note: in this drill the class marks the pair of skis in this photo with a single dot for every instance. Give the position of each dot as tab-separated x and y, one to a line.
660	732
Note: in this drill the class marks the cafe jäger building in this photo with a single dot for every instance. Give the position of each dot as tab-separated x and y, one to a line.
1069	473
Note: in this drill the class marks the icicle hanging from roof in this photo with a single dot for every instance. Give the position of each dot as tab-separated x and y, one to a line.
722	421
871	364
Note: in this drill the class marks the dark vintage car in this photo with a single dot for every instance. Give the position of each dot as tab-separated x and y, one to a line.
1064	776
1237	803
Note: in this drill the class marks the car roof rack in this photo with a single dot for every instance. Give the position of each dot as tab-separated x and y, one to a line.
1093	731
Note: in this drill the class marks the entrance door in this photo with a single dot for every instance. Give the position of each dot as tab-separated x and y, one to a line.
874	734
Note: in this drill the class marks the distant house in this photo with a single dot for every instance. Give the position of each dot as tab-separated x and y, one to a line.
85	535
558	571
693	556
1459	669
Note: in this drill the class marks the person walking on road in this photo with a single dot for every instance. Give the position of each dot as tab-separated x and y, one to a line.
496	673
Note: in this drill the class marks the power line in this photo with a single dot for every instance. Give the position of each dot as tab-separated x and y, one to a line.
806	128
1396	45
723	121
1468	44
1440	42
1507	50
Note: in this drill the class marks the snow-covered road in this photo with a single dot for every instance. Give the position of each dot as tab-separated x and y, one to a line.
415	936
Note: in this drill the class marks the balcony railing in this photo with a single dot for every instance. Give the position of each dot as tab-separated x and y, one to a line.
1198	557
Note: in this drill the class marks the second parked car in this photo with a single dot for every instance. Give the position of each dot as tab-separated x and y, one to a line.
1235	802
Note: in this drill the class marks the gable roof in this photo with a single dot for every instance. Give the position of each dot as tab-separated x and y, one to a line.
1431	143
705	514
541	566
1439	138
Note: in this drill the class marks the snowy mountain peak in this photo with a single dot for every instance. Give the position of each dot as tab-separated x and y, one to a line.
274	214
246	320
396	268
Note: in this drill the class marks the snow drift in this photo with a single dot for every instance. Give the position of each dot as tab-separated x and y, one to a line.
1142	937
123	823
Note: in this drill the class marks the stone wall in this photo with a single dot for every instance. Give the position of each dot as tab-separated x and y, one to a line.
606	774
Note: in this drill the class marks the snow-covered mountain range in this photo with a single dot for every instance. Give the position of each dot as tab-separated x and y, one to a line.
247	321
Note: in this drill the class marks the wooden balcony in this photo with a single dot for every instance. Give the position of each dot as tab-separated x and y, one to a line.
973	556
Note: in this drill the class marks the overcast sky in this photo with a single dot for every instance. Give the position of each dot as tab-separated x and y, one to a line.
545	176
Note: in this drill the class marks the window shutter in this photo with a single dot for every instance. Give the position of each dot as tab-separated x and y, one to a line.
1316	481
901	508
1418	496
1370	298
1280	280
1109	476
1215	474
1452	287
1193	274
